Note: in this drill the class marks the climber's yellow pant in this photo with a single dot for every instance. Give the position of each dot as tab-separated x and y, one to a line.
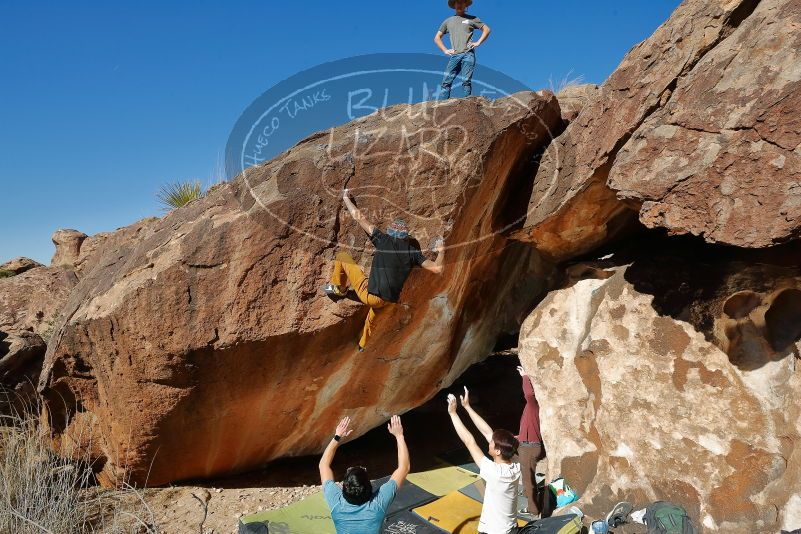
347	271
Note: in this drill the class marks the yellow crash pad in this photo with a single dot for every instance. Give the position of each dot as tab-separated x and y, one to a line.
455	512
443	480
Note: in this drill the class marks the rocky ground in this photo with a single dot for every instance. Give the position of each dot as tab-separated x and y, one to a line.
183	509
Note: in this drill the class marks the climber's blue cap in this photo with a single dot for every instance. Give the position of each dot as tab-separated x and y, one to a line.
398	229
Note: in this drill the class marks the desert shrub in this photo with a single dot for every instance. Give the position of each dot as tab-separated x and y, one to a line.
4	273
180	193
41	492
559	85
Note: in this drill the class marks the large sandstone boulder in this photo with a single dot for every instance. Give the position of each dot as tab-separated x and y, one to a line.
202	345
675	376
722	157
697	131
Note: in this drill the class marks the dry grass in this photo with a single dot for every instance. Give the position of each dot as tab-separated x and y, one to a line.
567	82
43	493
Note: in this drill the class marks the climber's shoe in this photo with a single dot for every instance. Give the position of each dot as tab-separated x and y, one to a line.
333	292
359	348
619	514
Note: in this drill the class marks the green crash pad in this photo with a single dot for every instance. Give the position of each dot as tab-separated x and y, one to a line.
308	516
443	480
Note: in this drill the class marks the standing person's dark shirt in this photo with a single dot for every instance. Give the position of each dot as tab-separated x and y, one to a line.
530	420
392	262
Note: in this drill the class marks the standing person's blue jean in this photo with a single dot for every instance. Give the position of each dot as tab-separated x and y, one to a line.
463	63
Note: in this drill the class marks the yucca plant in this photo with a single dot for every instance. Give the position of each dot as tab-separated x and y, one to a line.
181	193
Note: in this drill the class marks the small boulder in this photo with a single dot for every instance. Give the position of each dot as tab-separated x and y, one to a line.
33	299
573	98
68	247
18	349
19	265
21	355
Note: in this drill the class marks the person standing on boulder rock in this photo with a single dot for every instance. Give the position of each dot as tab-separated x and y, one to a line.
394	258
463	49
355	508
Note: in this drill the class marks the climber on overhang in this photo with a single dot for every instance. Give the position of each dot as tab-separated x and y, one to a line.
394	258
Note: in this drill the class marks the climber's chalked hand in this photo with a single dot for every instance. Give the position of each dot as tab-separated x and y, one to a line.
343	428
452	403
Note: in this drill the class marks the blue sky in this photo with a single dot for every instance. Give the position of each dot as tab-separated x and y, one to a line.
101	103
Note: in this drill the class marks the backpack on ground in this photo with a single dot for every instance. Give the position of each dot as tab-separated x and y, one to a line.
667	518
563	492
563	524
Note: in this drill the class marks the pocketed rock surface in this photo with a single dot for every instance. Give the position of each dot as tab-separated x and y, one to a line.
664	376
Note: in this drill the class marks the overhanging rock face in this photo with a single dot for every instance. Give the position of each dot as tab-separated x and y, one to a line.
697	132
202	345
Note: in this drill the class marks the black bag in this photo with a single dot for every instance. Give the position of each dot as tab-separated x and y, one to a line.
667	518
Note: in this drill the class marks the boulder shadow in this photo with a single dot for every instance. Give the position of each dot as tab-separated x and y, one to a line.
495	392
